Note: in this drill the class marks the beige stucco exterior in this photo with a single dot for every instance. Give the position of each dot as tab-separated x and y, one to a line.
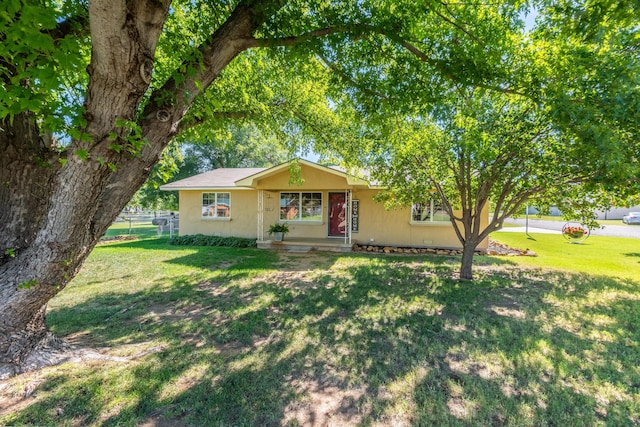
394	227
242	222
256	206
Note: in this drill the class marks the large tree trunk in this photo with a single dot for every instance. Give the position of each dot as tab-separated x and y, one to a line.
55	207
466	265
48	227
24	190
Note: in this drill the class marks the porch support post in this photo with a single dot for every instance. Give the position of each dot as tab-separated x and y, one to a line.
349	205
260	235
348	215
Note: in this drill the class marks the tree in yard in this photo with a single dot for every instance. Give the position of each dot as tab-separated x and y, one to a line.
570	140
564	133
559	126
92	92
485	148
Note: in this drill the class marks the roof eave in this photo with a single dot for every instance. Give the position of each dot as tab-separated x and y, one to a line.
252	181
203	188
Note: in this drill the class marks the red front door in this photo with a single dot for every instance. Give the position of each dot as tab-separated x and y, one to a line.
337	214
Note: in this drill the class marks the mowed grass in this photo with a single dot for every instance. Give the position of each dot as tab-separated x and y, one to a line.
223	337
597	255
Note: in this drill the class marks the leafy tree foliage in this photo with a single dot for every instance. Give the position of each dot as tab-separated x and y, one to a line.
238	145
483	149
587	58
93	91
558	124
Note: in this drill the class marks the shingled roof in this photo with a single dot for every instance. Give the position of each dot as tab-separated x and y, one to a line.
216	179
245	178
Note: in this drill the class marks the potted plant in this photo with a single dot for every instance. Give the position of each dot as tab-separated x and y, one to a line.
278	230
575	233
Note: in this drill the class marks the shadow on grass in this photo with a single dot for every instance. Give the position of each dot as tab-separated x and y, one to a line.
360	340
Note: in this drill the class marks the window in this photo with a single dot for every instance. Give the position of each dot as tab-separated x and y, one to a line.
301	206
430	211
216	205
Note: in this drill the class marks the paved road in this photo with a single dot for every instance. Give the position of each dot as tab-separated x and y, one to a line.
621	230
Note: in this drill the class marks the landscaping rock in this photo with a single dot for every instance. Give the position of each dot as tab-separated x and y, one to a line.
494	249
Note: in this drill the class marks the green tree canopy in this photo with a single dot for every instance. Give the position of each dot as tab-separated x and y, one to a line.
484	151
93	91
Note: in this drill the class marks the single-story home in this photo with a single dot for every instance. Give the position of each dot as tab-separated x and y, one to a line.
330	209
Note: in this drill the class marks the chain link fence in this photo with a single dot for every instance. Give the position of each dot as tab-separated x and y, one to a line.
145	224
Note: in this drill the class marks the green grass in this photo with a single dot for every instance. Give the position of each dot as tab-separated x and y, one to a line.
598	255
225	336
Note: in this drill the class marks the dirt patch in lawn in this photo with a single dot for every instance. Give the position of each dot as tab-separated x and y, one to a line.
303	262
324	405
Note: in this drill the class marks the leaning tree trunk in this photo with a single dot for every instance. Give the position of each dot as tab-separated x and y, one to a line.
49	222
55	206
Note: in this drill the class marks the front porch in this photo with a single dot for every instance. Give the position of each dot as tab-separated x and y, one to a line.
307	244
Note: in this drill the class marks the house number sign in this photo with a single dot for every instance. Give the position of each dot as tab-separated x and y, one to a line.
355	215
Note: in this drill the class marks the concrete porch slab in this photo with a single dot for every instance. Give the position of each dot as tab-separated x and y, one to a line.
303	245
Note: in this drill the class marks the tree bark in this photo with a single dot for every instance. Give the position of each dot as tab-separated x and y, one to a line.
466	265
26	180
55	206
46	232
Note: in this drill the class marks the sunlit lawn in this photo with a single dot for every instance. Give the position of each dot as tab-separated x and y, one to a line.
223	337
598	255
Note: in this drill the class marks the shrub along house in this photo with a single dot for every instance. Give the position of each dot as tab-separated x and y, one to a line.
329	210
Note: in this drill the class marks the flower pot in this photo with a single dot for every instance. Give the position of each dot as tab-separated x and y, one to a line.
278	236
575	232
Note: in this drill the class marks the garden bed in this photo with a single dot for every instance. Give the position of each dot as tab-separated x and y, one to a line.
494	249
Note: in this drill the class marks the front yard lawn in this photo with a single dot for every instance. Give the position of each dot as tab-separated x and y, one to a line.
220	336
598	255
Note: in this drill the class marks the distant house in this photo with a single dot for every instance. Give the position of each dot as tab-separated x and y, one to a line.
331	209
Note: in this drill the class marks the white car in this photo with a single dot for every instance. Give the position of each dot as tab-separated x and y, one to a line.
631	218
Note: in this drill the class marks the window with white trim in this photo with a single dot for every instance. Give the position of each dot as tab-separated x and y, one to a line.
299	206
429	211
216	205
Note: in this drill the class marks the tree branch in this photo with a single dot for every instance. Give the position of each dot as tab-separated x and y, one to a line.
218	115
75	25
170	102
349	79
446	72
455	24
253	42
